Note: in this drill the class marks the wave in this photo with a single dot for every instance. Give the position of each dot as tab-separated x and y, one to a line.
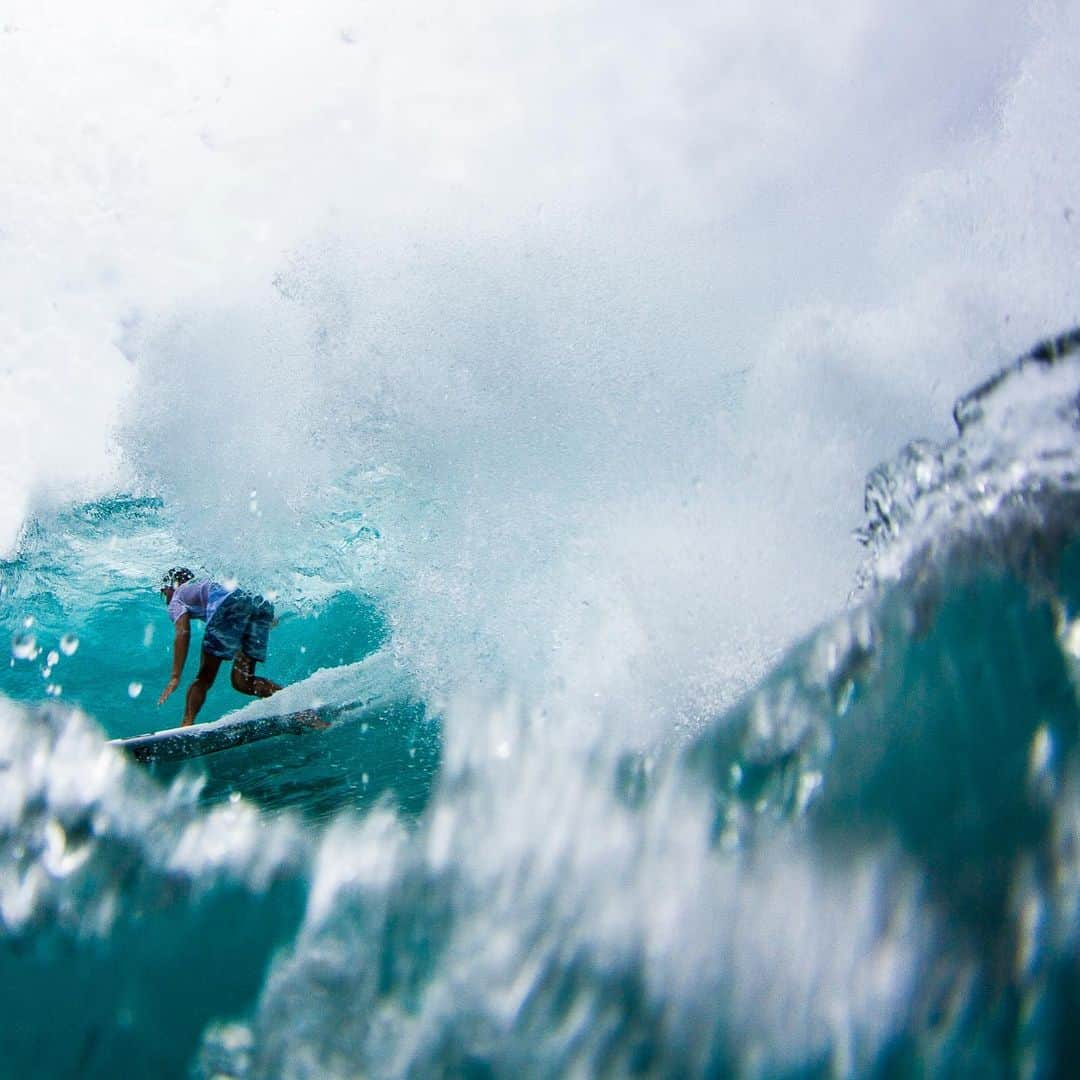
535	361
1004	490
868	866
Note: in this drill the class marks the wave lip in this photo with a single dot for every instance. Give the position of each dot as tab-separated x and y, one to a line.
1010	476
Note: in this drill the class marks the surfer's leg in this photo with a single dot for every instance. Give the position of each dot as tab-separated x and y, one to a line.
246	681
196	695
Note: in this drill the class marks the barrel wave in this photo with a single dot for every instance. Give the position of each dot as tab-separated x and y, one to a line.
867	866
657	428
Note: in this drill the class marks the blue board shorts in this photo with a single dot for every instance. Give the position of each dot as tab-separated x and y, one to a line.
241	624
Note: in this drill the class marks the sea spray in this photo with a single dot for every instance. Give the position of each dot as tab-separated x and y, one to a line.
867	865
559	394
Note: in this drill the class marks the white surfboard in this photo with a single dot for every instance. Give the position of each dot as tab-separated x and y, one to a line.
177	744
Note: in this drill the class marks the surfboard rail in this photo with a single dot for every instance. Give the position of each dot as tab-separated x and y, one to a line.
197	740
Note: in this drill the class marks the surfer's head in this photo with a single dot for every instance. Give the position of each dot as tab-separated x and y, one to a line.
173	579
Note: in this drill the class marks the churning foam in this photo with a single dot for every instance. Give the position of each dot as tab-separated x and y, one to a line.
598	317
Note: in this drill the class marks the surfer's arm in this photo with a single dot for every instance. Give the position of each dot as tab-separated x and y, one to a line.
180	651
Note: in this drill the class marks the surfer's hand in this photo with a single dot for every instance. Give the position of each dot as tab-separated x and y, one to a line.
169	688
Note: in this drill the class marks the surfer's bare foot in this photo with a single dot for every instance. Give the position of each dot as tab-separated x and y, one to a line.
311	719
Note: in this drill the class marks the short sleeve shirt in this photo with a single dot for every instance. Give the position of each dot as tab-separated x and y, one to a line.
199	599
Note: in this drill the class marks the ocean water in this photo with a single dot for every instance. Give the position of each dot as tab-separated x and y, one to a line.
621	407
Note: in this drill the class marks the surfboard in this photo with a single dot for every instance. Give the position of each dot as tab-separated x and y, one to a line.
178	744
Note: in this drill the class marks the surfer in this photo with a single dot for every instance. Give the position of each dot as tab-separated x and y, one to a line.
237	628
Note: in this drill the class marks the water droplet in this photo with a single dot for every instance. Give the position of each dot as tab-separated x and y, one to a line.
53	658
234	796
68	644
46	672
1069	635
148	635
23	645
28	622
364	778
54	689
303	648
134	690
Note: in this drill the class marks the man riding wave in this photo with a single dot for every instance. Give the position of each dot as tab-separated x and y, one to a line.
237	628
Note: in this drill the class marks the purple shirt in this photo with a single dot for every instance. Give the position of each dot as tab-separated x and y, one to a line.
199	599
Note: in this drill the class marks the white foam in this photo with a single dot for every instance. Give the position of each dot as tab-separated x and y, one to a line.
607	312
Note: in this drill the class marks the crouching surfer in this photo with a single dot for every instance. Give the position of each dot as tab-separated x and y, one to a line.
237	628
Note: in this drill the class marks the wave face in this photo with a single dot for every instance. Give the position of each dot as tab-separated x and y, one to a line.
868	865
533	363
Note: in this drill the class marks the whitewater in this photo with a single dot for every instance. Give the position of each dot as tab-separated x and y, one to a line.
657	430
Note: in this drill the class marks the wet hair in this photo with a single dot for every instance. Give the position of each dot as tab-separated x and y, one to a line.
175	577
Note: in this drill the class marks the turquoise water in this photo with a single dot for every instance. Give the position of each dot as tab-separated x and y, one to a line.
867	866
86	579
581	381
89	573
